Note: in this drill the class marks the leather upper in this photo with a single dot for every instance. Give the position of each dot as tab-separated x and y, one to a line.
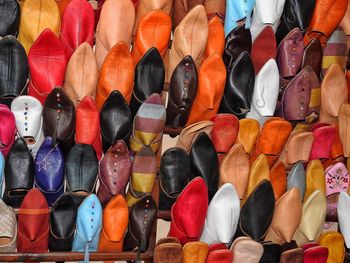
247	134
324	136
154	31
220	255
314	178
149	78
10	11
81	169
312	56
190	38
222	216
2	174
195	251
296	13
62	223
29	121
294	255
87	125
7	129
215	8
296	179
47	65
81	74
236	11
272	252
216	37
181	8
343	216
49	170
278	179
189	211
59	119
168	250
78	24
247	250
19	173
117	73
211	85
344	114
239	87
345	23
334	241
114	172
33	223
259	170
317	253
36	17
236	42
115	120
14	73
182	93
8	228
122	14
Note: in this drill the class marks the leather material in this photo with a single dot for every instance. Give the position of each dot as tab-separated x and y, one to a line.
193	27
115	120
248	133
182	93
220	255
59	119
247	250
10	18
316	254
286	217
122	14
174	173
87	125
216	37
143	175
117	73
272	253
211	85
36	17
148	124
222	216
78	24
334	241
217	246
265	99
236	11
153	31
259	171
2	173
290	53
29	121
324	136
239	87
181	8
141	219
257	212
7	129
215	8
236	42
14	73
62	4
296	179
234	169
296	97
273	135
81	169
263	48
114	171
334	92
81	74
168	250
33	223
8	228
343	216
337	180
145	7
266	13
344	114
326	17
278	179
88	225
314	178
149	78
62	223
49	170
311	226
195	251
114	225
292	256
204	163
189	211
47	65
189	134
337	147
296	13
312	56
19	173
224	133
345	23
